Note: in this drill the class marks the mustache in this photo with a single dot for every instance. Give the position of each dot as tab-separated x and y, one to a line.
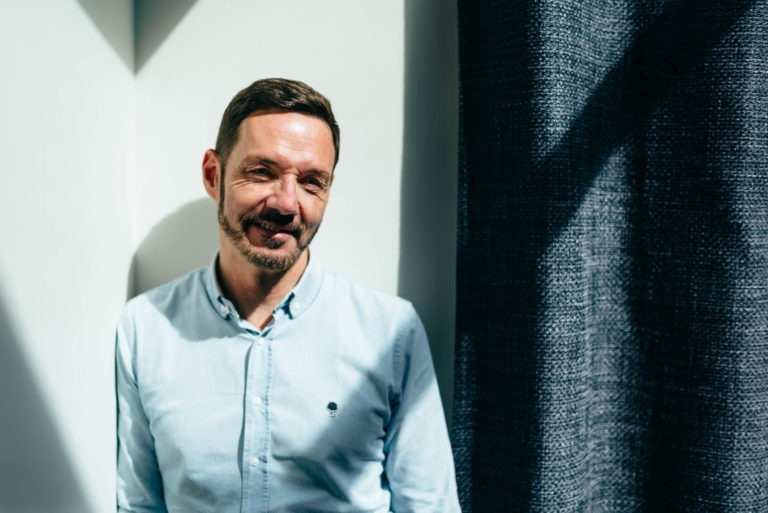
269	219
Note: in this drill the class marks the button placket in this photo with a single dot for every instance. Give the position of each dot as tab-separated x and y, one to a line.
256	423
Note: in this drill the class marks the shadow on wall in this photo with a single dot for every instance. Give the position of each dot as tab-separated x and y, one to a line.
153	23
427	269
135	29
114	20
182	241
36	474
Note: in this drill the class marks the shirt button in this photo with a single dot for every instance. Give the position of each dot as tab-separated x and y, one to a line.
257	401
224	310
296	305
254	461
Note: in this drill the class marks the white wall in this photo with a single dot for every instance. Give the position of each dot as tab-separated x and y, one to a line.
67	138
102	192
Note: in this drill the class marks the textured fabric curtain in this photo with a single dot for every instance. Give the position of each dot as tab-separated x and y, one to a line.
612	294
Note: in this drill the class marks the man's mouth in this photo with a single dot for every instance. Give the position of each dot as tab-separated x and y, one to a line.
270	230
270	227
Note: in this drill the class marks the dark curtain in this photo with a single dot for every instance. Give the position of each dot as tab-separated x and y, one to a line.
612	293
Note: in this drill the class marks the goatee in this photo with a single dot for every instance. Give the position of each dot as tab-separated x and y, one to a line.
268	220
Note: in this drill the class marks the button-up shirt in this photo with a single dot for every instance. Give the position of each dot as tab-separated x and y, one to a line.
333	407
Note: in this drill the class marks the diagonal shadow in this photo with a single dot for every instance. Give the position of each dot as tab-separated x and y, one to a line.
35	472
153	23
498	161
662	57
114	20
135	29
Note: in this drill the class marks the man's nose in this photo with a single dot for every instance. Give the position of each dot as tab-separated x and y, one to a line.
284	198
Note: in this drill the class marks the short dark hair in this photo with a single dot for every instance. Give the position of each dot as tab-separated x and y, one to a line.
273	94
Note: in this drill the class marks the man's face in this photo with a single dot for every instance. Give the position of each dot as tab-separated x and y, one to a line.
275	187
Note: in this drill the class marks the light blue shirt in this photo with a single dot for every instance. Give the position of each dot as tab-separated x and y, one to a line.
333	407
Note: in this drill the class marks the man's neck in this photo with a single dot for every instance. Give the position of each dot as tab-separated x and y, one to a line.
255	291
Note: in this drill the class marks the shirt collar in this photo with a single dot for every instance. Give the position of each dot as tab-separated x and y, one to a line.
296	302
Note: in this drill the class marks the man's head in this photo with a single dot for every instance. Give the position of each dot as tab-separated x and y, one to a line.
273	94
278	143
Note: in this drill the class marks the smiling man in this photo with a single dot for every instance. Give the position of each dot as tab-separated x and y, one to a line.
264	382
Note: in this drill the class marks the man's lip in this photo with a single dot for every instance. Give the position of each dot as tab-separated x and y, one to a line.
272	228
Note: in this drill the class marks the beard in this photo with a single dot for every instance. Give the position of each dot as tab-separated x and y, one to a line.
267	257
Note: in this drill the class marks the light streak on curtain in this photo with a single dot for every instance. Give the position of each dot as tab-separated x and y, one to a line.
612	293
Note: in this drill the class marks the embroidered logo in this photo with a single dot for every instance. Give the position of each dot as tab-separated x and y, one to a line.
332	408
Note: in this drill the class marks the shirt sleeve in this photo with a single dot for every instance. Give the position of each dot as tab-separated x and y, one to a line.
419	461
139	485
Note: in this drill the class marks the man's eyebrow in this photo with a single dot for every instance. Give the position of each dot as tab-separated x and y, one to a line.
314	171
256	160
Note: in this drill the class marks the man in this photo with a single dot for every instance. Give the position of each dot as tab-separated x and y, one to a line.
264	382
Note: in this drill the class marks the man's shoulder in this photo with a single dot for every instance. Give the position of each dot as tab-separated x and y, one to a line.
375	316
363	298
187	288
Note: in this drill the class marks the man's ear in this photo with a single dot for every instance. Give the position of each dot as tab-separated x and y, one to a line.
212	174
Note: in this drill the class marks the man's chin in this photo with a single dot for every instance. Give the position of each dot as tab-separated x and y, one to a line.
277	260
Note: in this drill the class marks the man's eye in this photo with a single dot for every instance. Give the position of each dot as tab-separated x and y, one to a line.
313	184
258	172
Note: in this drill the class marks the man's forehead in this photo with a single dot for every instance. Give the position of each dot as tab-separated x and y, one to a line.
271	122
264	135
276	116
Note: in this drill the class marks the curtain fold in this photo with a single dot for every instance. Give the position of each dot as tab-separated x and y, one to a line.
612	288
